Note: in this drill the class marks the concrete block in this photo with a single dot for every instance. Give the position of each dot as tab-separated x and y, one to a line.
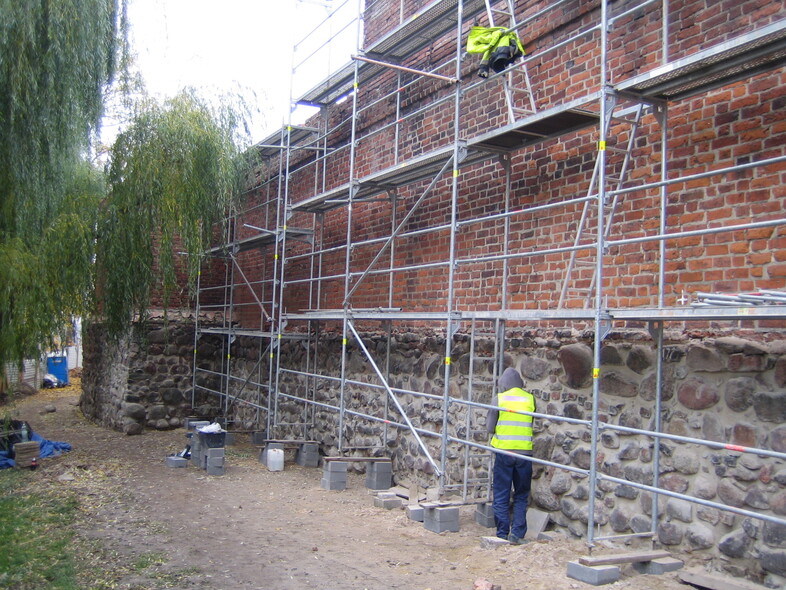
593	574
215	461
307	458
196	452
336	476
176	462
444	513
492	542
333	485
215	452
658	567
440	527
381	467
484	515
336	466
216	470
229	439
441	518
415	512
387	503
378	481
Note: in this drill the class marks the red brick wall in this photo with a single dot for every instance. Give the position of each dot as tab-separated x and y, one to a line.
735	124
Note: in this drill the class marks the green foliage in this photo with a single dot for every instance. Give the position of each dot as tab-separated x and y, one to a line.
36	537
172	175
56	59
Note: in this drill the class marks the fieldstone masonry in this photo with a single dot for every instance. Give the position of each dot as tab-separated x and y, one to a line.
145	379
728	388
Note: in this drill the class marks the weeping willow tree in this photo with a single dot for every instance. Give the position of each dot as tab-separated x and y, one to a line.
56	60
173	173
74	239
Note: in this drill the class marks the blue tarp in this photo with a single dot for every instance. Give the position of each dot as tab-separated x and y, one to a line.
48	449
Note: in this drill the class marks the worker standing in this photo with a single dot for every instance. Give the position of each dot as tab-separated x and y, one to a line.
512	432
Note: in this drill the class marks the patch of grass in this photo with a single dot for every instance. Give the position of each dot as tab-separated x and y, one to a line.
147	560
36	536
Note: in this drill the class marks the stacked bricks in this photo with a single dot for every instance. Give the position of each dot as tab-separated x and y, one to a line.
205	452
379	475
334	475
214	461
439	519
308	455
197	457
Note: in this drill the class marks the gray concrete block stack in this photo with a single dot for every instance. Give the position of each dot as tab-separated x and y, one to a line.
215	461
197	455
439	519
334	475
379	475
308	455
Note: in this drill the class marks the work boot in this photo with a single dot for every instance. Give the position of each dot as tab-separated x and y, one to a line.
514	540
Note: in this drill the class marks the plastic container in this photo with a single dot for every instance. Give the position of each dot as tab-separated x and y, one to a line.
275	459
212	440
58	366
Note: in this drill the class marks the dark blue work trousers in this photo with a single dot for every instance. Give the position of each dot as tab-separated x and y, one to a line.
511	473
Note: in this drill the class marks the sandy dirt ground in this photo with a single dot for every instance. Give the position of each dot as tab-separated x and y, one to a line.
162	527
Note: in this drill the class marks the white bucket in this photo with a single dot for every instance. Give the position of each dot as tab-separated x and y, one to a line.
275	459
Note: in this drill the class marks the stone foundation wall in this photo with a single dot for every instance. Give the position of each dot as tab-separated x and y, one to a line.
145	380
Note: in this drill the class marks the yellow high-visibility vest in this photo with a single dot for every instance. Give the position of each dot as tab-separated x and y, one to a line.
514	430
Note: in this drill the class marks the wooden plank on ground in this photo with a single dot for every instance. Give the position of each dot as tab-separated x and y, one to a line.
633	557
704	580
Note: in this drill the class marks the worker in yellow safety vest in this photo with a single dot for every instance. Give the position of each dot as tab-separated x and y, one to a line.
500	48
512	432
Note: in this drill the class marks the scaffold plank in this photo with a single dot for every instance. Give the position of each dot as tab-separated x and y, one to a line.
738	58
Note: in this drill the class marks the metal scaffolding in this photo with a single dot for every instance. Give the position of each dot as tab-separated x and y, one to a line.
370	142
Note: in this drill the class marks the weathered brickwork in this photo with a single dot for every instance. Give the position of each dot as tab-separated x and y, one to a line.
736	124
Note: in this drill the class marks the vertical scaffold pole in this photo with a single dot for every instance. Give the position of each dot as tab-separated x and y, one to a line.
452	253
600	248
348	260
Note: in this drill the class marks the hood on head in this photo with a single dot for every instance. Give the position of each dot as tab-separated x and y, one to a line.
510	378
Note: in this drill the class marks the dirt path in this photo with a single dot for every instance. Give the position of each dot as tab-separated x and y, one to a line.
253	529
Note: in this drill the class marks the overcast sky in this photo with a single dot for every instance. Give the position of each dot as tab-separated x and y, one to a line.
233	46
